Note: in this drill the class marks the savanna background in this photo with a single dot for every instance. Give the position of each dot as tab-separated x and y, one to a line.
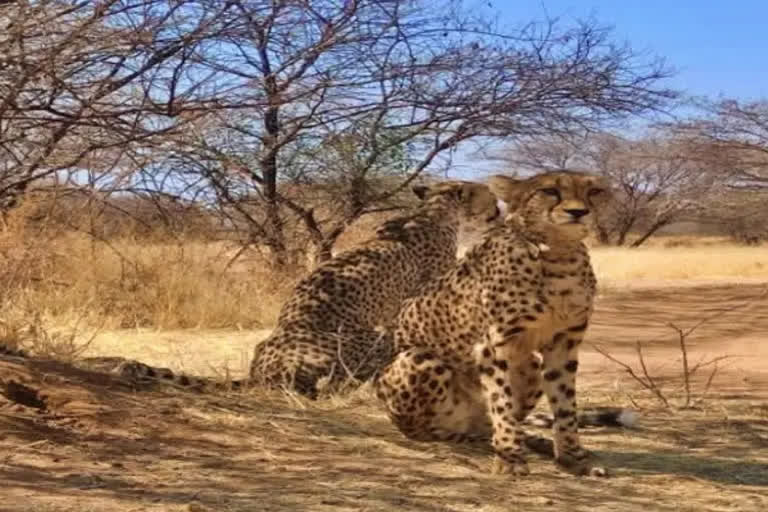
168	171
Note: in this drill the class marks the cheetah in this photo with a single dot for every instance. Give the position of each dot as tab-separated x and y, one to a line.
334	324
337	323
479	346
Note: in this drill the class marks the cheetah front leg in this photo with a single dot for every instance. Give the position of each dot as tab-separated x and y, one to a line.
561	362
509	375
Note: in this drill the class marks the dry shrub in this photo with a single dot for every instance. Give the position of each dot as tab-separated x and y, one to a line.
135	281
673	241
24	328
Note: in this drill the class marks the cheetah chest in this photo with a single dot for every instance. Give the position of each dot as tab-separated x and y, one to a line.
568	295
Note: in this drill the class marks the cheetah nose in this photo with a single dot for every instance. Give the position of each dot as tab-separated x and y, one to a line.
577	213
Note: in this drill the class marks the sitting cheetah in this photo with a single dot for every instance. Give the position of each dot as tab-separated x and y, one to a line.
329	327
479	346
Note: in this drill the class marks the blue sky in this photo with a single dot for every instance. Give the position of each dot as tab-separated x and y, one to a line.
716	47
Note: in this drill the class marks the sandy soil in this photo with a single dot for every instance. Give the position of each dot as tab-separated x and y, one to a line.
87	442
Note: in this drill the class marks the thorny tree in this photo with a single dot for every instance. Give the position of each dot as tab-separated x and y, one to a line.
297	80
735	136
229	103
739	130
86	86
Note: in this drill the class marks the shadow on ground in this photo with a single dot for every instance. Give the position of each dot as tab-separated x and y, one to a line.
98	445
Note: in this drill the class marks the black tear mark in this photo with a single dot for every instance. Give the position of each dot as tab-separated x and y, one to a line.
578	328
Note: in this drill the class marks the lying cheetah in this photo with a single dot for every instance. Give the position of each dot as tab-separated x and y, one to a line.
480	345
329	327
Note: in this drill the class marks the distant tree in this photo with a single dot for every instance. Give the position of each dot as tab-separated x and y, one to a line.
342	93
658	179
732	137
738	135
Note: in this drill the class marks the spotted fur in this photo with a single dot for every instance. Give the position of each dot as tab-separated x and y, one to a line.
478	347
335	325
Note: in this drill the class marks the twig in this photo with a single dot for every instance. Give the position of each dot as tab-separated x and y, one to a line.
649	385
681	335
632	400
704	364
708	384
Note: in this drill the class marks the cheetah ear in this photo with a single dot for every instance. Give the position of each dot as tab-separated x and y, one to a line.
465	192
507	189
420	191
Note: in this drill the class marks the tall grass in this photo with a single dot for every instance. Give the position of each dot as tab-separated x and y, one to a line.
52	275
128	282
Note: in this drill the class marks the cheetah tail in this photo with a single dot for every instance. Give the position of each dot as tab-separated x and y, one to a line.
592	417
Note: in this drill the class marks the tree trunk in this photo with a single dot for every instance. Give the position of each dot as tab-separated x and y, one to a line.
650	232
622	238
624	228
323	251
324	245
269	170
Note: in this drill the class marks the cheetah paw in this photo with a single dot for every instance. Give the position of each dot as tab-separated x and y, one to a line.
579	466
503	467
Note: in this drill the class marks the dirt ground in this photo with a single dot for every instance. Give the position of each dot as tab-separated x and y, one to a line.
96	445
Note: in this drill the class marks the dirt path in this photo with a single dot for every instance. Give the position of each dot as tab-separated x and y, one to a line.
729	320
98	446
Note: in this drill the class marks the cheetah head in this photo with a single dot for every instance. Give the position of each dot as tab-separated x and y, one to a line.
478	207
477	204
566	199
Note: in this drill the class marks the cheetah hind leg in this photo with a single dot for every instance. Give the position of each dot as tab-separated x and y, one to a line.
459	414
427	400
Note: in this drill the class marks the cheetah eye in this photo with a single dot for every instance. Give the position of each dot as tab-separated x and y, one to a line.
550	191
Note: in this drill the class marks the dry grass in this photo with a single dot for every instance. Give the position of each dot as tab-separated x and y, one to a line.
52	275
57	278
70	279
708	261
101	447
174	285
